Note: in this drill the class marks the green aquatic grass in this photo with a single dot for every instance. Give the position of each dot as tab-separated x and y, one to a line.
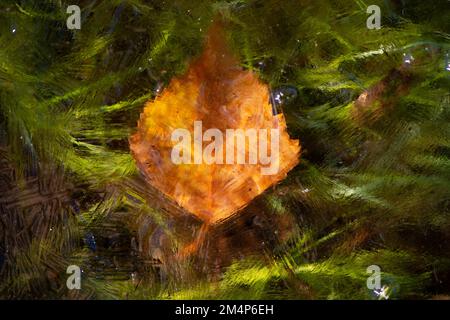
377	193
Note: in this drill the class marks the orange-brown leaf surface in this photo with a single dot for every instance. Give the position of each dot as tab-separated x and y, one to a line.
218	92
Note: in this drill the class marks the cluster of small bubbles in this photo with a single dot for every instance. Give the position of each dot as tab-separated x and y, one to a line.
262	64
407	58
382	294
90	241
432	51
282	96
389	290
278	96
159	87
